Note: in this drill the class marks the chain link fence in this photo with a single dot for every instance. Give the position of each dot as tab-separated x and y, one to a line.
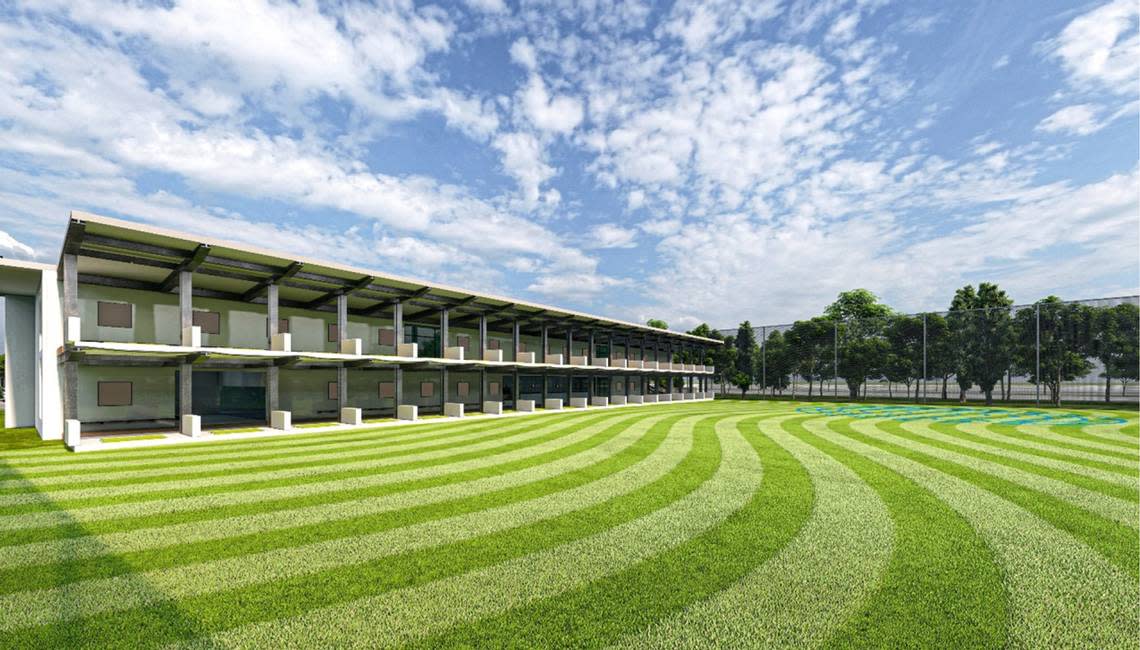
1049	352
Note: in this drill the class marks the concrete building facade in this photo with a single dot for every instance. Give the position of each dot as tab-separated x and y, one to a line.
144	329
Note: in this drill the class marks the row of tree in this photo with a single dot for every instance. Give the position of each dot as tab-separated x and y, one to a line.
981	341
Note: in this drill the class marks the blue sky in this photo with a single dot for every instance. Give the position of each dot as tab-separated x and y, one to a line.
692	161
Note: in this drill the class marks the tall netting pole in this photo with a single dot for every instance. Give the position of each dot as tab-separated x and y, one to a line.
835	360
763	360
924	358
1037	345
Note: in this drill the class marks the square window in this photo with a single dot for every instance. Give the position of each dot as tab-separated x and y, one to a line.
427	389
115	314
115	393
282	326
463	388
332	333
387	389
209	321
493	344
463	340
522	346
387	337
493	388
333	392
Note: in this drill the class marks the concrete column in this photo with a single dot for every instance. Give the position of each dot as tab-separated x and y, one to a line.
569	345
186	320
569	387
482	337
398	378
443	396
482	385
70	309
398	322
545	387
515	344
341	334
590	350
444	336
516	396
545	344
272	373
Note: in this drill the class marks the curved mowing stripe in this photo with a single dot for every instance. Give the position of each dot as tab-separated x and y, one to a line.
1044	441
1117	475
810	587
1062	594
1116	542
284	598
555	437
402	616
942	588
203	468
1107	434
293	468
124	592
1116	509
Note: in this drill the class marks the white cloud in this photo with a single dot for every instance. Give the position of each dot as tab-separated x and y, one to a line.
1079	119
558	114
488	6
608	235
1001	62
10	244
1102	47
523	159
575	286
522	53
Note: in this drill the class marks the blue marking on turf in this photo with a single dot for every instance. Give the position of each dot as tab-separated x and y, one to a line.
959	414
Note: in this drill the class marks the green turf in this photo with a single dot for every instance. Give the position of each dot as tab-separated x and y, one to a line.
656	526
114	439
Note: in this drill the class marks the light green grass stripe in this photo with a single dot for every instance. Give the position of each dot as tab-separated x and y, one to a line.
299	466
86	516
1108	434
807	590
1043	436
77	548
951	434
31	608
1062	593
92	475
404	615
1118	510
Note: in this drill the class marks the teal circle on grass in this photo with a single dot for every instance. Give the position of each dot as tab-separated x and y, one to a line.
959	414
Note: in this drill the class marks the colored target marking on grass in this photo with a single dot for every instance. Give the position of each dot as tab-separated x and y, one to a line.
959	414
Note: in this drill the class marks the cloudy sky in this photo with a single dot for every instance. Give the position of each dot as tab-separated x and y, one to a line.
692	161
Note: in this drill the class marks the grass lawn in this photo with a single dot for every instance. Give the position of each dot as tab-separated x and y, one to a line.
738	523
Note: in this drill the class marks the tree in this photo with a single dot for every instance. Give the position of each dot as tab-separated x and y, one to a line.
862	347
707	332
747	352
810	346
982	328
940	360
904	361
858	304
779	362
724	361
1065	338
1115	343
742	381
657	323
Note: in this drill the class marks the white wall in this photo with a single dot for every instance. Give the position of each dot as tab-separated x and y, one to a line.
20	364
153	394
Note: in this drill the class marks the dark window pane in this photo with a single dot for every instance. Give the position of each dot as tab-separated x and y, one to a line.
332	333
115	314
115	393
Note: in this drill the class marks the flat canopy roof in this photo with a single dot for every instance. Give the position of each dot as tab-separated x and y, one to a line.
124	254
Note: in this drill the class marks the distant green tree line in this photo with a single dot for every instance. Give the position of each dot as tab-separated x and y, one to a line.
981	341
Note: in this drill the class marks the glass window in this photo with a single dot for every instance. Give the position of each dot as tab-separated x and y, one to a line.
115	393
209	321
387	389
333	393
115	314
332	333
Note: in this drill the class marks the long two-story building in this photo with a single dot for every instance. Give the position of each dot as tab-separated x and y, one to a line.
145	329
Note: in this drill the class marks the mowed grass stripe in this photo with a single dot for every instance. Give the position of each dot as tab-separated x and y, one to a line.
61	524
1124	476
1079	491
1038	437
1108	434
942	587
291	597
1113	540
1061	592
296	466
403	616
104	556
97	476
810	587
60	512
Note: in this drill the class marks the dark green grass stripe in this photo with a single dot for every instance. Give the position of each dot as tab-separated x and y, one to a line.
1127	493
1016	432
1116	542
56	573
165	623
144	495
996	440
187	465
286	461
1077	433
942	587
601	612
131	522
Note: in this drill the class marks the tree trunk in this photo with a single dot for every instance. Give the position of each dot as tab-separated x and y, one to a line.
990	397
1001	387
1107	387
945	379
811	385
890	390
961	395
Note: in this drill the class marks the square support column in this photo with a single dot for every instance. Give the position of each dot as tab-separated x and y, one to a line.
590	352
515	345
545	341
482	336
398	322
444	336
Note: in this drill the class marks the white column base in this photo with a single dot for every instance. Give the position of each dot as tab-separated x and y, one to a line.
578	361
649	399
493	355
408	350
677	397
617	400
408	411
282	420
525	357
602	363
524	405
453	409
71	429
455	353
554	359
665	397
191	425
553	404
578	402
350	415
493	408
74	329
281	343
192	336
619	363
354	347
600	401
636	399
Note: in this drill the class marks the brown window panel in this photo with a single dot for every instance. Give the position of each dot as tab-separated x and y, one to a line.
387	337
115	314
333	394
332	333
209	321
387	389
116	393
